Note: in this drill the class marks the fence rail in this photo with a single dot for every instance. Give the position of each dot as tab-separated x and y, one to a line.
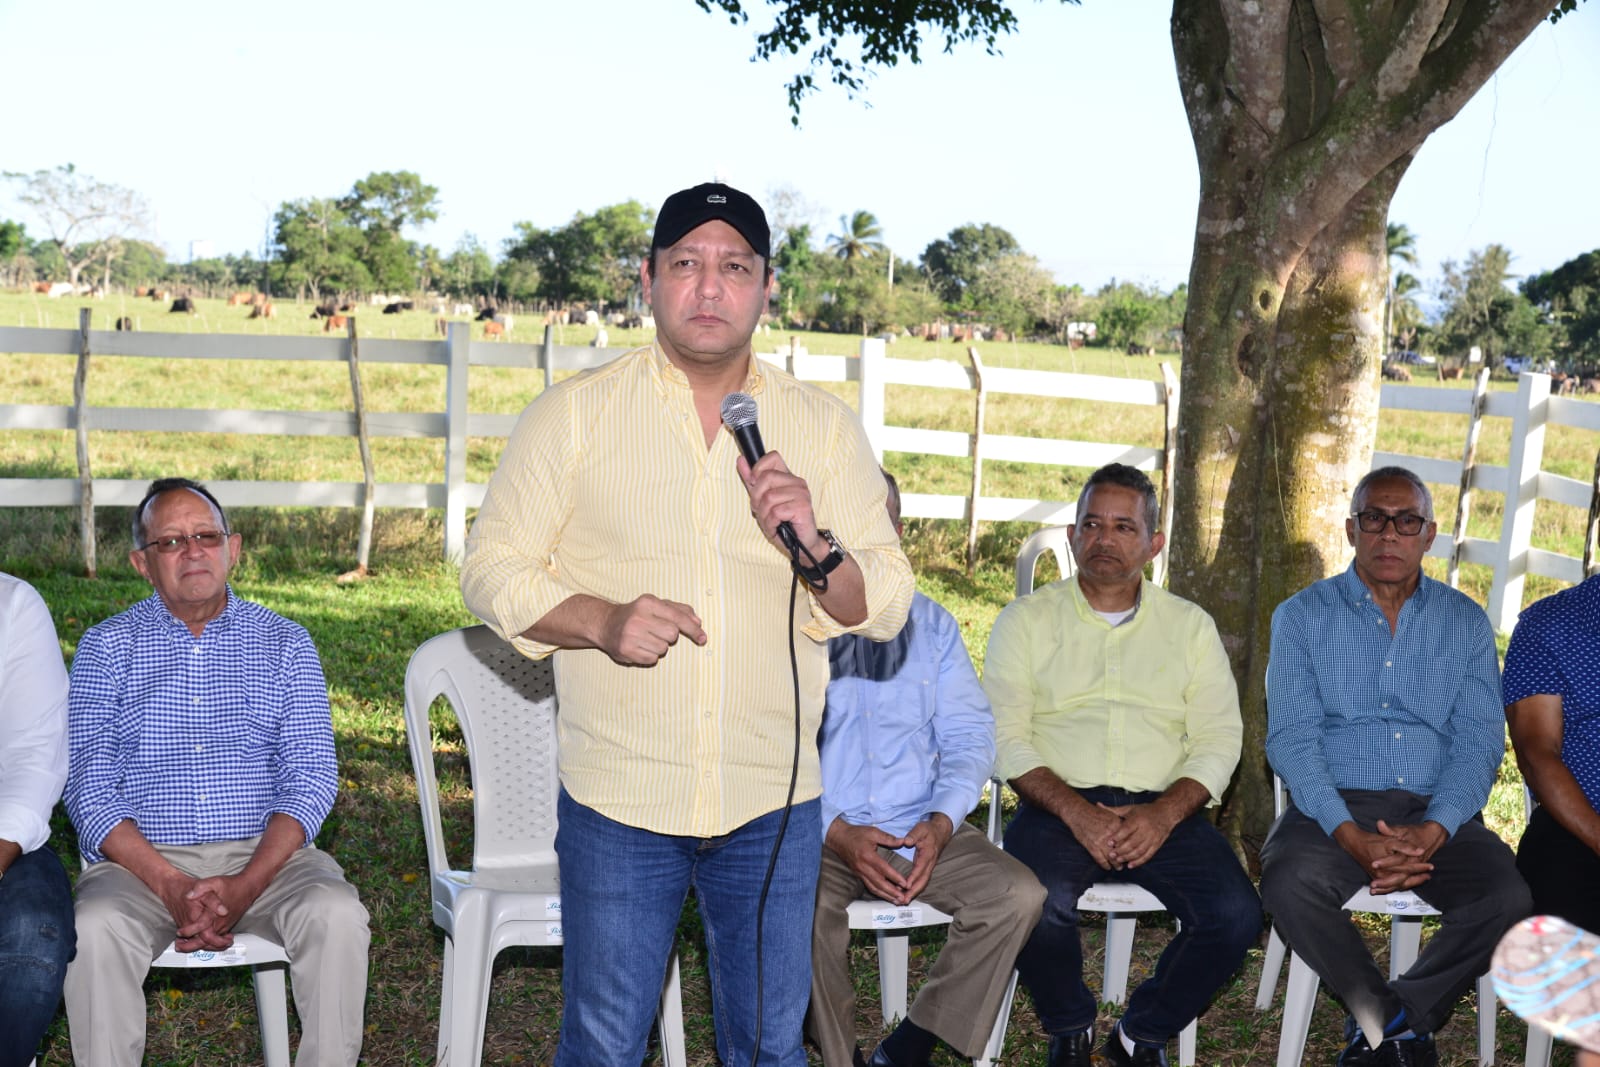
1512	557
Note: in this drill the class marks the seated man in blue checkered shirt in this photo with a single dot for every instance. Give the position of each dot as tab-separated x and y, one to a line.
201	767
1384	720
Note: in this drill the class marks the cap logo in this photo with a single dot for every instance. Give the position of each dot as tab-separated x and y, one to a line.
716	198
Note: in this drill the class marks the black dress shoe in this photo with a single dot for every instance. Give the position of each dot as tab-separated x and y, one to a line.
1071	1050
857	1059
879	1058
1412	1052
1142	1055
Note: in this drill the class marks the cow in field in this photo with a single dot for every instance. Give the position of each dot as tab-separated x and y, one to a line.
397	306
263	310
489	311
441	326
41	288
239	300
125	323
184	305
1396	373
1450	374
324	311
1589	385
333	322
462	309
59	289
493	329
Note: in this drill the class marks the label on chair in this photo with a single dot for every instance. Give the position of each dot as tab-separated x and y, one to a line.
889	915
552	908
231	956
553	931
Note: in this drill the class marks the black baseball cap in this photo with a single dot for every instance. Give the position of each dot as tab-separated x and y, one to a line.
688	208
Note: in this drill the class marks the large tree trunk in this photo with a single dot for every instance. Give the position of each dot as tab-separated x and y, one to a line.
1305	116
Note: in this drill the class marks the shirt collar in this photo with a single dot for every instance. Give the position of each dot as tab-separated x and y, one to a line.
159	606
1087	612
667	373
1356	592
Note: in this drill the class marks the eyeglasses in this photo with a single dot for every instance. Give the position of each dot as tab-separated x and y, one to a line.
1406	524
178	542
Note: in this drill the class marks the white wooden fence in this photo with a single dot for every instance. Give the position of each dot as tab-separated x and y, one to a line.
1511	556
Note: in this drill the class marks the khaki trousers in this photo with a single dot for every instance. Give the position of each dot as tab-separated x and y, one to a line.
994	902
122	927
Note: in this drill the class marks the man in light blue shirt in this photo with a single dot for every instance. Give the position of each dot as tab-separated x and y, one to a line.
1384	720
907	743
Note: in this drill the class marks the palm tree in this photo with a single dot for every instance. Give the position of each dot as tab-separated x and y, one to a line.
1402	246
859	236
1405	313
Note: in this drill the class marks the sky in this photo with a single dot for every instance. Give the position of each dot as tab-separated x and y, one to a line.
1074	139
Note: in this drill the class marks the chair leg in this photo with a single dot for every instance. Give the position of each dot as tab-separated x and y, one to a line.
272	1011
1299	999
1271	968
894	956
669	1020
1539	1046
1120	930
997	1036
446	995
1405	943
1487	1009
1188	1038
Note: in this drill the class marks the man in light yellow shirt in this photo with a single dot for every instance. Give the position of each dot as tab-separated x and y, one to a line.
624	533
1117	723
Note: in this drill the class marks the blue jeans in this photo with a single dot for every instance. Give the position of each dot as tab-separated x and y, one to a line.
1194	874
622	890
37	939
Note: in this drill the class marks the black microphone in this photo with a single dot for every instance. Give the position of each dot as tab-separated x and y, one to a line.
739	416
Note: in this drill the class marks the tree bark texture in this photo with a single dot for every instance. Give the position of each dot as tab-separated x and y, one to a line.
1305	115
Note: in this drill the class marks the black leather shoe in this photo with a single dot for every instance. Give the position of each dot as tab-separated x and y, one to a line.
879	1058
1071	1050
1412	1052
1143	1055
857	1059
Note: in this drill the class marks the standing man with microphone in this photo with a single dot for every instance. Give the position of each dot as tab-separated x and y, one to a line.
624	533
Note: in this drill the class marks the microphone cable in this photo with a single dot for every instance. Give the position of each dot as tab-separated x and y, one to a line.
783	823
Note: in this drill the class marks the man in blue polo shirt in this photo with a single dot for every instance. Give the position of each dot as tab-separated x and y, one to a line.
1384	720
1552	694
201	768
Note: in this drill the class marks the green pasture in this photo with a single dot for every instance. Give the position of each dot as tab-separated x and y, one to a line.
367	630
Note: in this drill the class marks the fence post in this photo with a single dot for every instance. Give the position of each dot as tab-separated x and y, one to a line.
1469	460
1522	495
977	461
547	356
1169	471
458	347
80	413
369	476
871	402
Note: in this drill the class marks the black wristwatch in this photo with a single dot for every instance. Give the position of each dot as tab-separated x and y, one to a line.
817	577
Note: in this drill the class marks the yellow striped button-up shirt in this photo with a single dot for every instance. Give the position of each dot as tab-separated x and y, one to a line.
607	488
1136	706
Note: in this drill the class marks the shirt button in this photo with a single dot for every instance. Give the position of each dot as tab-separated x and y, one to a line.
1385	703
1397	735
1388	663
199	748
1401	780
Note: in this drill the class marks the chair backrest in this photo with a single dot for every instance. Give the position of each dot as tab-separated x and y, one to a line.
506	705
1046	538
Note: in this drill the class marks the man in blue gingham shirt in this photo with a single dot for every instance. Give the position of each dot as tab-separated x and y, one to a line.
1384	721
201	768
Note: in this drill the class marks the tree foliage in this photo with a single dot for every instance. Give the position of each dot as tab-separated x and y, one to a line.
593	258
860	236
1569	298
354	242
87	219
1481	312
954	262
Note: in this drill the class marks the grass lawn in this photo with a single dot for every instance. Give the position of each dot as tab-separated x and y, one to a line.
366	631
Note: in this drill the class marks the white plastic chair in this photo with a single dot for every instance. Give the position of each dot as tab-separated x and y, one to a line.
893	925
268	965
1120	902
506	706
1406	911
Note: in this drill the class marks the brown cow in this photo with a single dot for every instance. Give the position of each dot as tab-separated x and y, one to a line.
239	300
441	326
493	329
1450	374
1589	385
333	322
42	287
263	310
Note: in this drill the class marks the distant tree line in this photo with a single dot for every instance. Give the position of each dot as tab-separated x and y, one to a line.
848	281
